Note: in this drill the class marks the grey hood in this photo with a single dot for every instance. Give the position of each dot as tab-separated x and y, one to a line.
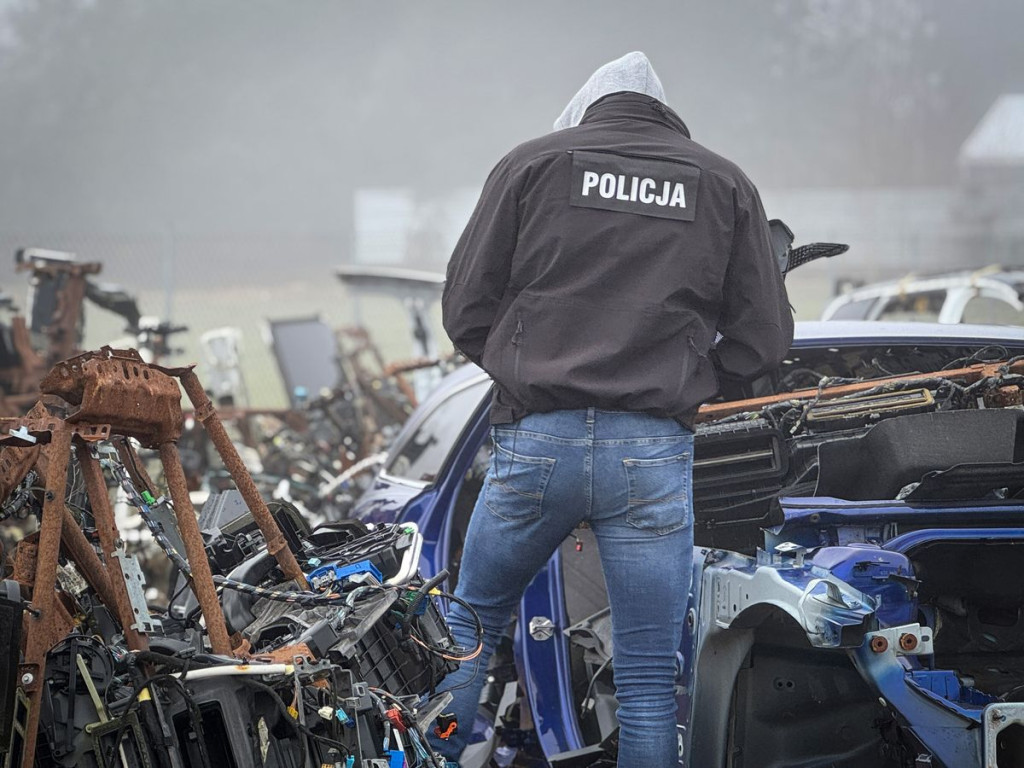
633	72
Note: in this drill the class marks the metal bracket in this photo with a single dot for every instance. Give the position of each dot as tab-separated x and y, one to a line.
905	640
541	628
996	719
135	582
26	432
788	548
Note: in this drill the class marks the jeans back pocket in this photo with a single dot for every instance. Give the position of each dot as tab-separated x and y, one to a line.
659	492
514	490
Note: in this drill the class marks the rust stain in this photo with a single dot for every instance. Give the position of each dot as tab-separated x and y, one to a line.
205	413
117	387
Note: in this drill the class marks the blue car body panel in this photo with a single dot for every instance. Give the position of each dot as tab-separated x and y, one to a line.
860	574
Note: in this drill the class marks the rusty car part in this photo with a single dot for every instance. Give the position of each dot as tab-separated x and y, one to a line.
19	381
1005	397
206	414
76	617
968	375
117	387
41	622
286	654
188	527
16	462
63	330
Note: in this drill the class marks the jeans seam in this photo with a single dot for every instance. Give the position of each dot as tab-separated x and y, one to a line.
591	418
598	441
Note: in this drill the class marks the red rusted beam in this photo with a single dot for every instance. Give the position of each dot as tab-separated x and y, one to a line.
963	375
207	415
188	527
44	612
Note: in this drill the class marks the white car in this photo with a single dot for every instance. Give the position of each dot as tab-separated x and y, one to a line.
991	296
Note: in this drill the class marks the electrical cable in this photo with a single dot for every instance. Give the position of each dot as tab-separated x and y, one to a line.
978	357
444	653
447	653
593	681
479	629
133	699
421	595
306	599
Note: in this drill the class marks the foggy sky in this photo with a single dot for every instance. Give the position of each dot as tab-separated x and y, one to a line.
137	116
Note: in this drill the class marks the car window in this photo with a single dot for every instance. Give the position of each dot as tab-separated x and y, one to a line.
992	311
916	307
421	457
855	310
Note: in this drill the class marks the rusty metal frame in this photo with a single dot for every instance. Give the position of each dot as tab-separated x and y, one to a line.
195	551
63	327
960	375
206	414
117	387
111	394
42	619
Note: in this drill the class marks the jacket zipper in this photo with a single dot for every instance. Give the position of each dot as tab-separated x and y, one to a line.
517	343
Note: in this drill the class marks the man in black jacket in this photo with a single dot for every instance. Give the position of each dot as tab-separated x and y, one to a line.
600	264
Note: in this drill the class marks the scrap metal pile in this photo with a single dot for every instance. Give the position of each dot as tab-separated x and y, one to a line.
281	646
319	453
873	421
59	288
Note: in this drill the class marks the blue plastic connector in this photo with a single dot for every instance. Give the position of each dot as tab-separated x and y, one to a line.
329	574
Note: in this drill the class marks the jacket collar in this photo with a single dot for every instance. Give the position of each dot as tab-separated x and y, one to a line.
637	106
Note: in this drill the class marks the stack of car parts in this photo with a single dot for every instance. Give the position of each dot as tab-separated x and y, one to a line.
282	646
748	453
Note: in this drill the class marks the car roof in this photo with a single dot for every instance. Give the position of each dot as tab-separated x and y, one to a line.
939	282
811	333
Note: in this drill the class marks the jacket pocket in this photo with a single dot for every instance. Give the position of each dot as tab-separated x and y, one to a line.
515	487
659	493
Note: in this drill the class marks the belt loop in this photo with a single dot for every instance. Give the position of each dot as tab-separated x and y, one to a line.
591	412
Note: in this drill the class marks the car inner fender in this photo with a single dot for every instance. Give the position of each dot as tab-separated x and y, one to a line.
950	733
719	655
738	590
736	594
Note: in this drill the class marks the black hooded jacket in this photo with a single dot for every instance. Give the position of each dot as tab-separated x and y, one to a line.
600	262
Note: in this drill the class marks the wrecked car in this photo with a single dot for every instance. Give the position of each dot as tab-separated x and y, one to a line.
859	524
991	295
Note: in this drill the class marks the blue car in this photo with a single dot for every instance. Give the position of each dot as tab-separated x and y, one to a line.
856	600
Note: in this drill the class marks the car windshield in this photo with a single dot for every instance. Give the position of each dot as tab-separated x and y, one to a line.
855	310
921	307
422	455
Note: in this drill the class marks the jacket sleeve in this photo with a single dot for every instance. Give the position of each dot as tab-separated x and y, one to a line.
756	322
478	272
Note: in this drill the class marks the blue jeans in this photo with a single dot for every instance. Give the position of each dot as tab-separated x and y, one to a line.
629	476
